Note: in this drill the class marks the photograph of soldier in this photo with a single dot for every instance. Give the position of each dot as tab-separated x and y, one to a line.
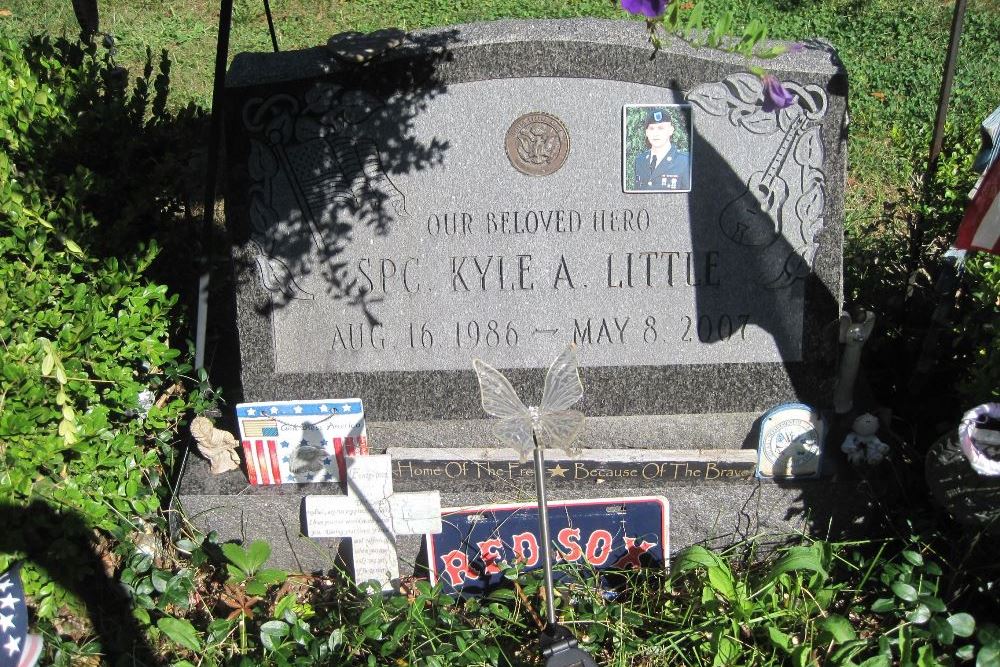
656	145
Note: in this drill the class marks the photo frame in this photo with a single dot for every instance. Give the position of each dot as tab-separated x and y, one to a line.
656	148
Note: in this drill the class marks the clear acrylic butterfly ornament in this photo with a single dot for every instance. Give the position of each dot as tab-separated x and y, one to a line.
552	422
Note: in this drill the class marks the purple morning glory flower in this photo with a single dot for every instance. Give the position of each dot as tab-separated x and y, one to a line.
648	8
776	96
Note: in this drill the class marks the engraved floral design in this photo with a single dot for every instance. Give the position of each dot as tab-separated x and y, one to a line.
743	99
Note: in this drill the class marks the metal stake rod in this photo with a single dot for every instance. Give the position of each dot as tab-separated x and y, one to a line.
212	166
543	528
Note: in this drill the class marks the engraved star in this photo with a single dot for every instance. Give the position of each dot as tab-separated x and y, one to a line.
7	602
4	585
324	408
346	408
297	409
251	412
327	461
558	471
274	409
304	443
6	622
13	645
284	459
284	444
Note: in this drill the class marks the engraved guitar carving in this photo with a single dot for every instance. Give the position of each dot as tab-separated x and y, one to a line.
754	218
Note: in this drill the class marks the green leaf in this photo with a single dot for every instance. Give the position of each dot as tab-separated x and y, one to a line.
237	555
942	631
925	656
271	634
722	581
967	652
988	656
257	554
904	591
48	361
779	638
72	246
877	661
920	615
988	633
933	603
798	558
913	557
883	605
180	631
370	614
696	556
838	627
963	624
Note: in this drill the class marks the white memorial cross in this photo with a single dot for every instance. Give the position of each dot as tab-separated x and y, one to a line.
371	515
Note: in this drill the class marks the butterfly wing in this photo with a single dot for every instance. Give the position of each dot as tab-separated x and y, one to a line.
561	429
516	432
562	383
559	425
500	400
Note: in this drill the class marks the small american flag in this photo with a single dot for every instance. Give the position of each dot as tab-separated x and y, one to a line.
260	428
980	228
17	647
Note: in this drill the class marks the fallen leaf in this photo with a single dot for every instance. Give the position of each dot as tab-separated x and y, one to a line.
6	12
879	95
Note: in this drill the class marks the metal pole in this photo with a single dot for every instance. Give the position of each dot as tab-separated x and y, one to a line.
211	167
270	24
946	81
543	528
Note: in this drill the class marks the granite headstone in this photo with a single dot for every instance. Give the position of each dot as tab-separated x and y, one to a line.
484	191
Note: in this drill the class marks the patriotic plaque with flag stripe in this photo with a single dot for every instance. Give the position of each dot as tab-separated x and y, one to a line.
300	441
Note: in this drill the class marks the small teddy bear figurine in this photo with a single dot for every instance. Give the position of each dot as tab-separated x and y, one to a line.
216	445
861	445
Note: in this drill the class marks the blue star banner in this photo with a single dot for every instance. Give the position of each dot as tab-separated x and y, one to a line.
293	442
477	543
18	648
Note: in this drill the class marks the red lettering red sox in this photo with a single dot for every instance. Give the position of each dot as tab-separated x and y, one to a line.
596	551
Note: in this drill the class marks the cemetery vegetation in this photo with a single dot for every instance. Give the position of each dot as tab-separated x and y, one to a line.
97	172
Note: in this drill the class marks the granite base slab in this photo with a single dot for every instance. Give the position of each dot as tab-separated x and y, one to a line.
705	513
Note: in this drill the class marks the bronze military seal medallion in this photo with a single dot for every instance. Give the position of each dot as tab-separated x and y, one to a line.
537	144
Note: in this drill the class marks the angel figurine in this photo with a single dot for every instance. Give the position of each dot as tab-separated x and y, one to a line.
552	423
216	445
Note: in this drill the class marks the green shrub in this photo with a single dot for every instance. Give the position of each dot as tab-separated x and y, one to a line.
93	386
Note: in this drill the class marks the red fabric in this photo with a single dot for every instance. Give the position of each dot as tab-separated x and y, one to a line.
980	228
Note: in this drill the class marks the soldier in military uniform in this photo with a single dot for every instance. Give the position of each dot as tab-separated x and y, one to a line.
662	166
